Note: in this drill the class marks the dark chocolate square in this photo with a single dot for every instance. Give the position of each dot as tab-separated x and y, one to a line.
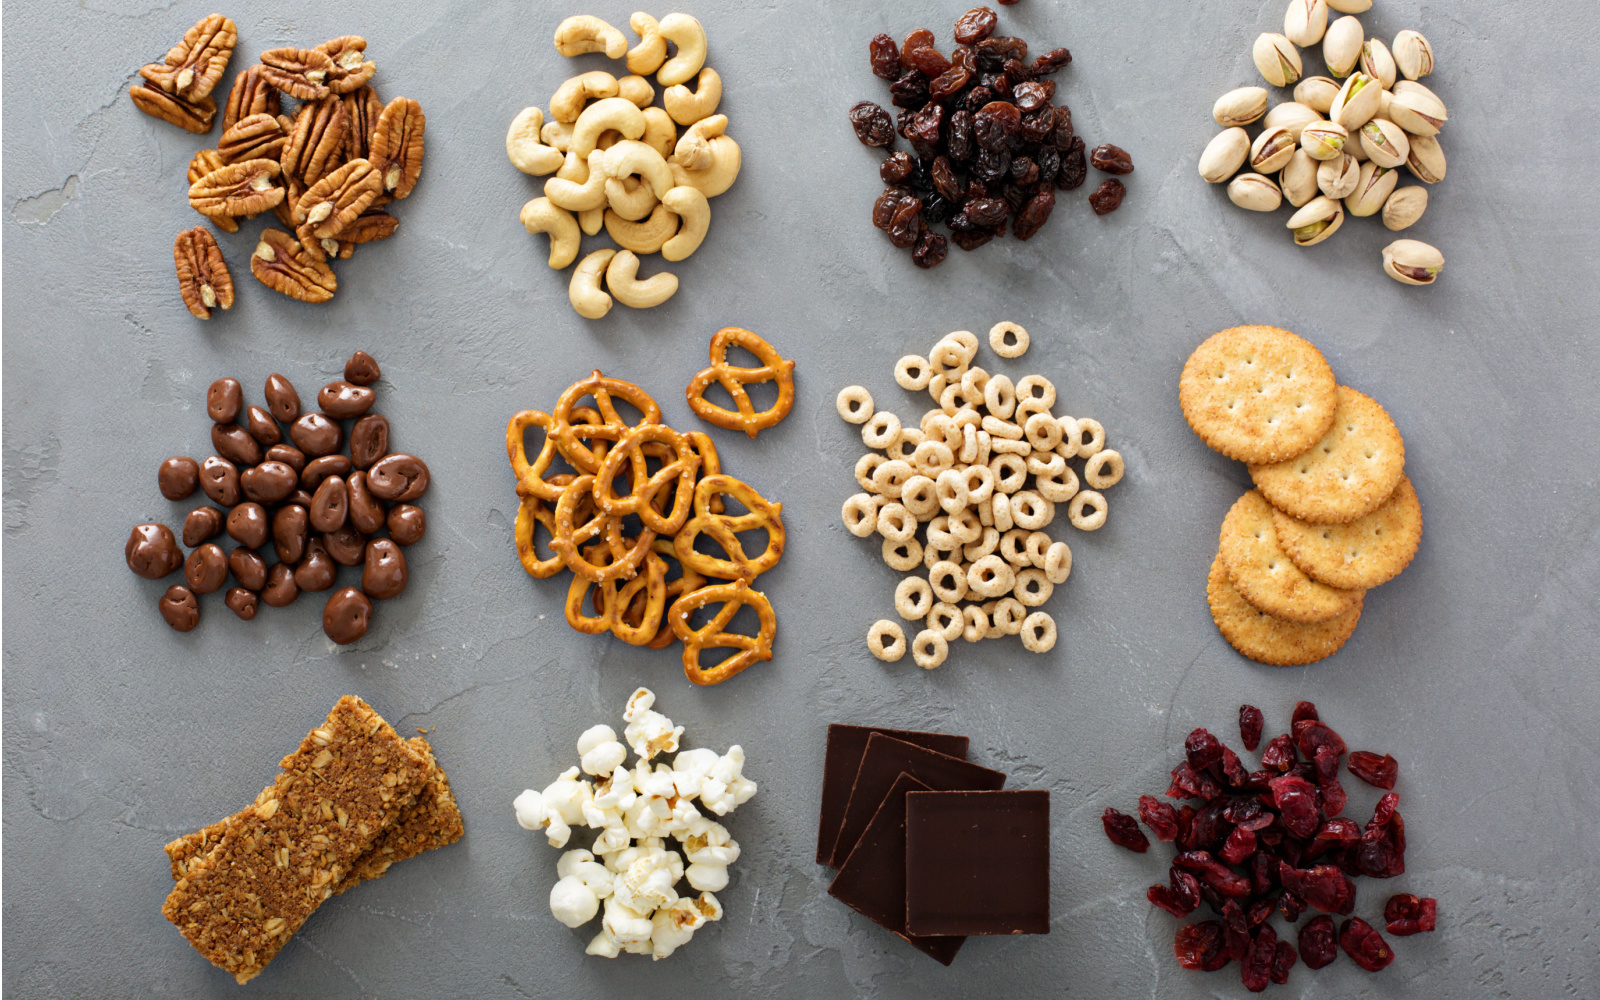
846	745
977	862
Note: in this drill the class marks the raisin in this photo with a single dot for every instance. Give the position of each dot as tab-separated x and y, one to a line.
944	179
1032	94
1024	172
1323	887
932	249
936	209
1405	914
923	129
906	225
873	125
1016	72
1049	164
914	41
1009	3
1107	198
1050	62
958	140
1310	734
1283	959
1037	126
1159	817
929	61
896	168
971	240
995	124
1063	138
991	165
976	98
1364	945
1074	167
1111	159
1250	718
1120	827
987	212
1257	970
1198	947
1035	213
887	204
910	91
1279	755
1379	772
999	48
949	82
1317	944
975	25
885	57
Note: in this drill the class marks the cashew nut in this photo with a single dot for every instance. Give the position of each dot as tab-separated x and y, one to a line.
557	135
715	179
611	112
584	291
687	106
691	206
590	220
651	52
540	216
643	237
630	198
659	132
686	33
587	33
567	104
694	149
576	187
610	137
622	279
527	153
638	90
633	157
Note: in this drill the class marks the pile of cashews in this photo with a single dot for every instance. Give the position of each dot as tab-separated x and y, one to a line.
620	163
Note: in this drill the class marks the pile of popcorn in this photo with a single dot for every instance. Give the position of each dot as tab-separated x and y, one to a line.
637	810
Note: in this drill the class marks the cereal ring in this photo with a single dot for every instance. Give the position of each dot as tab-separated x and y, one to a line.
1038	632
965	526
951	491
937	424
1014	547
968	452
1040	466
936	385
986	513
950	400
896	524
933	555
939	534
902	556
881	430
1057	562
1069	438
1000	511
1004	446
1016	348
979	481
1044	432
1059	488
929	649
861	515
972	385
947	357
854	404
947	620
1096	474
933	458
890	478
905	444
976	627
990	576
1097	438
1033	587
1027	408
918	496
774	368
1006	618
1000	396
1010	473
1036	389
866	465
986	543
1003	428
967	340
1032	511
967	415
913	372
913	598
891	651
1092	522
948	581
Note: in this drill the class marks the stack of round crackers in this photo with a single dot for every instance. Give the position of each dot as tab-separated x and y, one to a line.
1332	514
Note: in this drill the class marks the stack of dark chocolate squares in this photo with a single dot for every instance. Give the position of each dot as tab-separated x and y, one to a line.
926	843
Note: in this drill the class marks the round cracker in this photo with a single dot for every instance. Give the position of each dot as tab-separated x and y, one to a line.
1258	393
1270	640
1347	474
1363	553
1266	577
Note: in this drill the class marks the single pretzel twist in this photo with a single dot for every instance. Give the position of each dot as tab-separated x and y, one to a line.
734	378
724	529
713	634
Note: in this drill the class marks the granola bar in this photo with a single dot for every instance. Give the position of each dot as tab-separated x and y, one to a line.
276	862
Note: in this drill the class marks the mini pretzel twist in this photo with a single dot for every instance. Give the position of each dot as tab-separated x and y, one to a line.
724	529
533	513
734	379
571	536
645	486
569	440
713	634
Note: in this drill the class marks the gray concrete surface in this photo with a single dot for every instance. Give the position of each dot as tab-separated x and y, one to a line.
1476	668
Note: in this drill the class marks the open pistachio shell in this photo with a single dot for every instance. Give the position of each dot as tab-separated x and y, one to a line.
1350	6
1272	150
1305	21
1413	56
1338	177
1277	59
1341	46
1299	179
1357	101
1416	109
1324	140
1240	107
1412	262
1317	220
1426	159
1291	115
1377	62
1385	142
1317	93
1372	190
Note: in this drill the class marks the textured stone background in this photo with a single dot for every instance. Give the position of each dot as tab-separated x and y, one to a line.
1475	668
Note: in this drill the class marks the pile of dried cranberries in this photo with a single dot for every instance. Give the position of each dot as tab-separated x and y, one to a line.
1270	840
987	143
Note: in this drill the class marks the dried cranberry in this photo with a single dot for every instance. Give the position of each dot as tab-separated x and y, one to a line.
995	124
1334	834
1258	912
1310	734
975	25
1240	845
1122	830
1159	817
1207	830
1257	968
1198	947
1382	851
1181	898
873	125
910	91
958	140
1318	946
1250	723
1187	783
986	212
1379	772
1213	873
1279	755
1324	887
1303	710
971	240
1263	872
1364	945
1235	931
1291	906
1242	810
1074	165
931	250
887	204
916	40
1032	94
1384	811
885	57
907	224
1328	787
1296	801
929	61
1283	959
923	129
896	168
1111	159
1034	214
1107	198
1405	914
1050	62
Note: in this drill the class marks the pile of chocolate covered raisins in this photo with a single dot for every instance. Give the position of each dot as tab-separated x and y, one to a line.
988	146
320	509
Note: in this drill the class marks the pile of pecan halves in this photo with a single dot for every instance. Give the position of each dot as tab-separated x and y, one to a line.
637	499
326	171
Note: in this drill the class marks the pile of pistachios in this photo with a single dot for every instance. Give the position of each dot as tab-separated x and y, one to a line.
1337	148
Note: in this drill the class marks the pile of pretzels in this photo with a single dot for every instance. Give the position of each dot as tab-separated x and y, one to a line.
629	512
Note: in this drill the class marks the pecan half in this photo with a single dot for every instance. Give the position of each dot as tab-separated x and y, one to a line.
203	278
338	199
396	145
237	189
282	264
301	73
203	162
194	116
316	141
361	111
251	95
372	226
318	249
351	67
284	210
258	137
195	65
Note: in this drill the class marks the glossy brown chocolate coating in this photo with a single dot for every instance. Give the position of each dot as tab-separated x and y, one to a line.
319	469
291	527
248	568
224	400
268	482
398	477
346	545
180	608
362	369
384	574
203	523
330	505
316	434
235	444
345	400
282	400
152	551
219	478
262	427
369	440
317	570
299	498
248	525
281	590
407	524
179	476
242	602
366	510
347	615
206	569
288	454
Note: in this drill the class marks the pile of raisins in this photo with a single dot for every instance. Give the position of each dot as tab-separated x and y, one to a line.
1273	840
987	143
